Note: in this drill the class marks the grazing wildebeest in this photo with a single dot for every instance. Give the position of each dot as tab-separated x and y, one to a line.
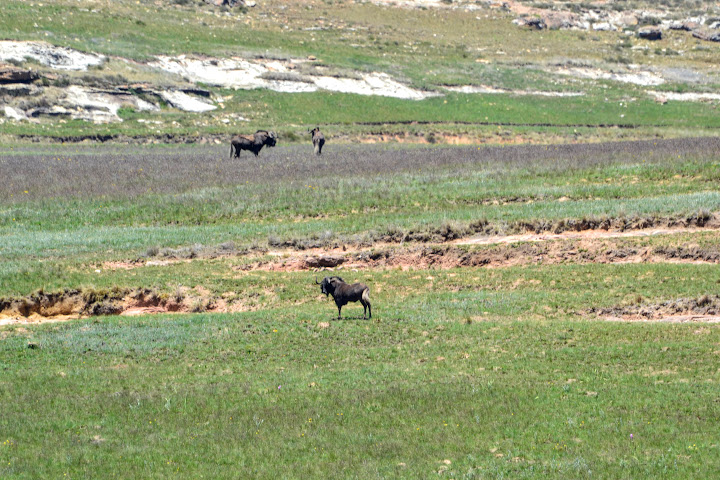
254	143
318	140
344	293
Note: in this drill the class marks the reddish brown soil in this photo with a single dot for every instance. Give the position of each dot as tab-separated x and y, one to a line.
72	304
546	249
587	246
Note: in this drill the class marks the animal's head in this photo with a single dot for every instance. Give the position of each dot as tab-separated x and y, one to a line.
315	131
327	286
265	137
271	139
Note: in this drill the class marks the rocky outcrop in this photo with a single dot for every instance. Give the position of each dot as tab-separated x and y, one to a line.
185	102
561	20
649	33
10	74
231	3
599	19
687	26
588	20
13	113
707	35
18	90
327	261
535	23
61	58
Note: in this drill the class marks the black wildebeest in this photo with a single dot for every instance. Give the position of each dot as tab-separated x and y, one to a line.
344	293
318	140
254	143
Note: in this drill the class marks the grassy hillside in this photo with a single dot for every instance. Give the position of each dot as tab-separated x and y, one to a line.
457	46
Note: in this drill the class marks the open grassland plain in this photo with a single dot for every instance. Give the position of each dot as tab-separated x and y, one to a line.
438	72
538	311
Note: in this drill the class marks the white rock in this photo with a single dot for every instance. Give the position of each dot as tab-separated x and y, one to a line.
493	90
101	106
233	73
372	84
55	57
604	27
14	114
185	102
685	97
245	74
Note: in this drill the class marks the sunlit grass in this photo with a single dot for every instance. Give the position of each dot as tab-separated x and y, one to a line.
494	380
82	205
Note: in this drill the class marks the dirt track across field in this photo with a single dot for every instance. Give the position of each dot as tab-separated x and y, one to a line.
586	234
588	246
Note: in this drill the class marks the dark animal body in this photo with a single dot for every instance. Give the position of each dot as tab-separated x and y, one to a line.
253	144
344	293
318	140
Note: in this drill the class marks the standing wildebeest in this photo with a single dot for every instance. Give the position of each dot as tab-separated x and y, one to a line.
318	140
254	144
344	293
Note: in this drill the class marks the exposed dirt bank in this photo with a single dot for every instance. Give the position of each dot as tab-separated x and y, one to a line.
484	232
705	309
583	234
573	245
42	307
583	247
577	247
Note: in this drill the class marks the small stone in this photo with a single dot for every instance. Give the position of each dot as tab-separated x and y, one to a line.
650	34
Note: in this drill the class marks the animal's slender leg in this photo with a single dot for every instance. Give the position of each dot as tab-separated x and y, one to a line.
365	299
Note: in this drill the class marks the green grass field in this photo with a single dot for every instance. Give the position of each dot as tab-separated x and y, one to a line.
464	372
481	361
272	395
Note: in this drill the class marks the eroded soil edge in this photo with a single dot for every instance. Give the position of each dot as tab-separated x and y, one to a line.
42	307
705	309
571	246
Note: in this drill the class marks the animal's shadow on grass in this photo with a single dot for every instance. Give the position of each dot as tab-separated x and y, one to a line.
351	317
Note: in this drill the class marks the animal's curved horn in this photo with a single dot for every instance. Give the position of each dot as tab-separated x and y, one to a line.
272	135
316	282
